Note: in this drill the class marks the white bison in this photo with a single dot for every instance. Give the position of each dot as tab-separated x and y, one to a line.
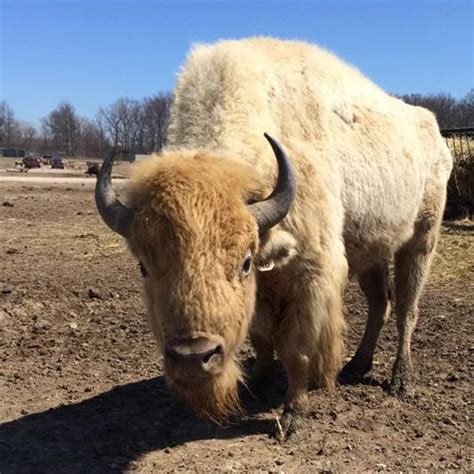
360	179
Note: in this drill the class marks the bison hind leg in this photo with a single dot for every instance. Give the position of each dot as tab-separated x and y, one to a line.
412	263
375	286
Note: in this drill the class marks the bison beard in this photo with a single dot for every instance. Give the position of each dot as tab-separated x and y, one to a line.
216	398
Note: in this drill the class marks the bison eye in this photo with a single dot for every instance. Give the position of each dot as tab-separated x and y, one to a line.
247	265
142	269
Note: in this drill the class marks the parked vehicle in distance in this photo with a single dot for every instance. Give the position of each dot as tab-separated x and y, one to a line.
31	162
57	163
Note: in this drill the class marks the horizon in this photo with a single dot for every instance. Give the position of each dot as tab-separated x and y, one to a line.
92	53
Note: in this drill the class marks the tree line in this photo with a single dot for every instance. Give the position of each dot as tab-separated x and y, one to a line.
141	125
450	113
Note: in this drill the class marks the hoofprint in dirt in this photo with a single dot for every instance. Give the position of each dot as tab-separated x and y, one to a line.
81	383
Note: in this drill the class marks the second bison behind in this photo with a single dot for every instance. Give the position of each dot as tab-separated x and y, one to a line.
221	261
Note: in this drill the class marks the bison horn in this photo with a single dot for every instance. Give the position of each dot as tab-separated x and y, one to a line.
116	215
272	210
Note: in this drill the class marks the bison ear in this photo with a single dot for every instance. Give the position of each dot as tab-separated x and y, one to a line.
276	250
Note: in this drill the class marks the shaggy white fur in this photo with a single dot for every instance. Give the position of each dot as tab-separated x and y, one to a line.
371	180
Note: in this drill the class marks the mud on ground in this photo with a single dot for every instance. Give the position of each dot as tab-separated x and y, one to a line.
81	384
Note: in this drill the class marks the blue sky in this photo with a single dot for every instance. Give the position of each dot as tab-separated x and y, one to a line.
93	52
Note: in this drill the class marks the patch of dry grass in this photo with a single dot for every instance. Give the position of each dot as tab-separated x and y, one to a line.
455	252
461	182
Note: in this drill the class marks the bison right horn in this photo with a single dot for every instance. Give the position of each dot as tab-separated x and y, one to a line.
272	210
115	214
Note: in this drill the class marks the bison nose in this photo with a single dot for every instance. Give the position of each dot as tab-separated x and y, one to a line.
201	351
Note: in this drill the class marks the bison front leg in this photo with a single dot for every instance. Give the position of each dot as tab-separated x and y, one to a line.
309	340
375	286
296	406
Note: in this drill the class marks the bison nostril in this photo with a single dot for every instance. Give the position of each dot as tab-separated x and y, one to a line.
207	355
198	350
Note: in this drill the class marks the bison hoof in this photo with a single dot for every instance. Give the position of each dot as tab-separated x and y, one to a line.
355	370
287	426
401	388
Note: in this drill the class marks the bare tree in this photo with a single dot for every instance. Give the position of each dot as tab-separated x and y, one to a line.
92	138
8	125
63	127
123	122
27	136
466	109
156	115
104	140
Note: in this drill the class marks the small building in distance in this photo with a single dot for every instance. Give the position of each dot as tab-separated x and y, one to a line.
12	152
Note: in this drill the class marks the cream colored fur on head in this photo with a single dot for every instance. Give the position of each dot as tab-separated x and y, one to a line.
191	232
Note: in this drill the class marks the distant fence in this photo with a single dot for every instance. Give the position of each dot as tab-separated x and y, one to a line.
460	201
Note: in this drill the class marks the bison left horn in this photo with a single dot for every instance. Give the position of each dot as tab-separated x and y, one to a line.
115	214
273	209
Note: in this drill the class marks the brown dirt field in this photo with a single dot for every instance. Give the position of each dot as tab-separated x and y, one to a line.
81	384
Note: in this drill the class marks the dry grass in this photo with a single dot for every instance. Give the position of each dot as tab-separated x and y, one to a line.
455	253
461	183
463	150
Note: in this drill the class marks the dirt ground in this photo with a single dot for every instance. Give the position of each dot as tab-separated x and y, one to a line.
81	384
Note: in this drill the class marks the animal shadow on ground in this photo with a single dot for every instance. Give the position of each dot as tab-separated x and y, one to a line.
459	227
367	380
107	432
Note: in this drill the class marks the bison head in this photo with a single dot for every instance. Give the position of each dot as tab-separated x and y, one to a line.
199	228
